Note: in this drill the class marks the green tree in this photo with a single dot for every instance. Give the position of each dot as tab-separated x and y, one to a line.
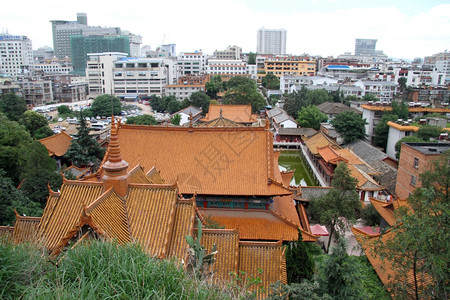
319	96
406	139
142	120
214	86
427	132
299	261
200	100
420	238
11	198
341	202
369	97
243	90
64	109
350	126
101	106
40	170
402	83
176	119
381	131
311	117
14	141
12	106
84	150
252	58
34	123
173	105
271	82
400	109
340	276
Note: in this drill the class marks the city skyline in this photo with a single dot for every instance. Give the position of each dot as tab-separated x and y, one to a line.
404	29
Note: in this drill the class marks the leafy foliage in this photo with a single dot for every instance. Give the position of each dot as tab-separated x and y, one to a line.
370	215
369	97
36	124
304	98
420	238
427	132
242	90
40	170
142	120
381	131
311	117
299	261
176	119
271	82
12	106
84	149
101	106
298	291
252	58
11	198
214	86
200	100
350	126
64	109
340	203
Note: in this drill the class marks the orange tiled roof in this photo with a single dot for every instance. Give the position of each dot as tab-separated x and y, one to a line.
220	122
235	113
268	257
365	182
183	225
6	233
57	144
213	161
137	175
287	177
330	155
25	229
318	140
386	212
227	257
154	176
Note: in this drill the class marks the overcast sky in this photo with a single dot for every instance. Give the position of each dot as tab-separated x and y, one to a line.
404	28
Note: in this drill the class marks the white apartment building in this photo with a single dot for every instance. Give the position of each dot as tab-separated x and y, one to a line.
443	66
135	43
271	41
16	55
232	52
183	91
53	68
192	63
286	81
383	90
231	68
142	76
99	72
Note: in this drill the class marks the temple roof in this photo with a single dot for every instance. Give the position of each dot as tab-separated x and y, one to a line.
213	161
220	122
236	113
57	144
318	140
25	229
330	155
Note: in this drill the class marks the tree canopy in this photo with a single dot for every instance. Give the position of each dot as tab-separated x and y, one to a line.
200	100
304	98
381	130
64	109
101	106
420	238
427	132
242	90
12	106
271	82
341	202
142	120
350	126
311	117
36	124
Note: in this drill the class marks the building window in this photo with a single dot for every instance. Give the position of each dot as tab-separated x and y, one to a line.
416	163
413	180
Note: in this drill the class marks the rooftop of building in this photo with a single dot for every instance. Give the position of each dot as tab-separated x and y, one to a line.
430	148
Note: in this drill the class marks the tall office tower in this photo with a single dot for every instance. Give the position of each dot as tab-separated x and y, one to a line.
16	54
170	49
365	47
271	41
82	45
63	30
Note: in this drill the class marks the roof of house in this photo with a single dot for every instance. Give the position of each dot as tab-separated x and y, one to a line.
274	111
336	108
318	140
190	110
386	209
235	113
330	155
25	229
57	144
280	118
199	158
297	131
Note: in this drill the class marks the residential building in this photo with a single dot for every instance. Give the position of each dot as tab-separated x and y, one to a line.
189	115
192	63
99	72
183	91
345	90
135	43
279	118
63	31
170	49
82	45
231	53
435	96
67	90
271	41
383	90
36	91
135	77
443	66
331	109
290	68
52	67
42	54
16	55
7	86
230	68
287	81
416	158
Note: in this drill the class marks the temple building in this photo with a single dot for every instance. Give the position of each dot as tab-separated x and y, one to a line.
237	113
154	187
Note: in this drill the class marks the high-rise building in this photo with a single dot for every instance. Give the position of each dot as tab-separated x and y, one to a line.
82	45
63	30
16	54
365	47
271	41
